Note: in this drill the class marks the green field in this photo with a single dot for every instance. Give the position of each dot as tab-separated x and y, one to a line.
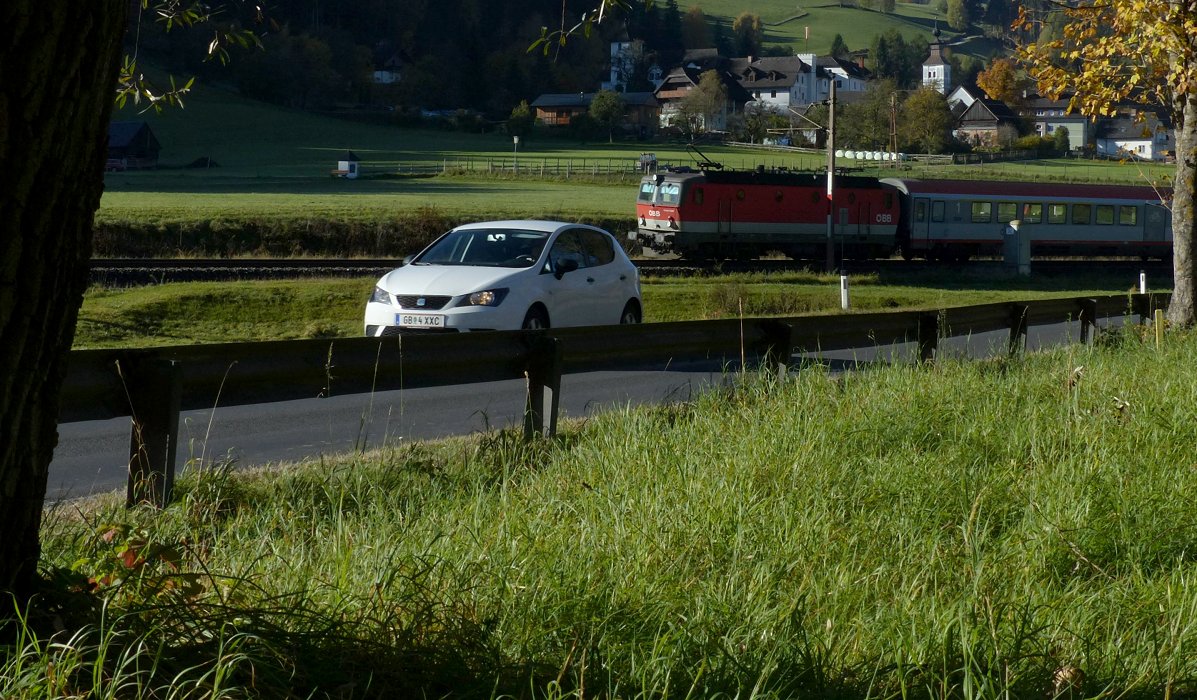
214	312
785	23
1012	529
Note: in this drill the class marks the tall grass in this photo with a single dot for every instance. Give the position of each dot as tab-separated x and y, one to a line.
1019	528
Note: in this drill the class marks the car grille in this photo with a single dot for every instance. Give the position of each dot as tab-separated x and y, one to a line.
411	301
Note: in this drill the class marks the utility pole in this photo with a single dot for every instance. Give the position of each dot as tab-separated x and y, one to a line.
893	128
831	177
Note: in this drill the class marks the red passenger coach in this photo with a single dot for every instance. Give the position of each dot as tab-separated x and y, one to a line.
953	220
719	214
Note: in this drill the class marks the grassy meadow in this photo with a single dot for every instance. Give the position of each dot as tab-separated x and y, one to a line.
213	312
879	534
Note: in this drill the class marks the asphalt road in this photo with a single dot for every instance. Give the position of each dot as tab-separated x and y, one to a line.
92	456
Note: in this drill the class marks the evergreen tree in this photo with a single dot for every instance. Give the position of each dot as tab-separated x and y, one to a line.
839	48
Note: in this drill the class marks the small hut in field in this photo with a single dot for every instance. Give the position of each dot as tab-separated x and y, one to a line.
347	167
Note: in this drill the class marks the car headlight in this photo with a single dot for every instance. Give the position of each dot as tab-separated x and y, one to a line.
381	296
489	297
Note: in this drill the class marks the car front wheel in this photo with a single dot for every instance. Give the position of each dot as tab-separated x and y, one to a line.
536	319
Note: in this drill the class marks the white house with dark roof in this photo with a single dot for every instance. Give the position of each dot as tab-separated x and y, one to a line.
1145	138
849	76
777	81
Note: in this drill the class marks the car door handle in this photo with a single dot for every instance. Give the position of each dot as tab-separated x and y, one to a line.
590	280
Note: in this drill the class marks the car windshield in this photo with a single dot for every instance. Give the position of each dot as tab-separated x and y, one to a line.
486	247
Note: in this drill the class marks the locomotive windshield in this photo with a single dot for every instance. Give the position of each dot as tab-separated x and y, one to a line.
671	193
648	188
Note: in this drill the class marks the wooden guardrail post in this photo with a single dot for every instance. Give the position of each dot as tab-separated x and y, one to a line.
779	345
928	336
1088	318
544	387
1018	328
155	393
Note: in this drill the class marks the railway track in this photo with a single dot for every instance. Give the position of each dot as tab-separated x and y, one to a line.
123	272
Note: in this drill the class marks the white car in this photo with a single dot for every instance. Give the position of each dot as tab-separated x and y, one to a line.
508	275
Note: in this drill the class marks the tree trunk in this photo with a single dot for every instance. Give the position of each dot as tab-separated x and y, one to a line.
1181	312
59	64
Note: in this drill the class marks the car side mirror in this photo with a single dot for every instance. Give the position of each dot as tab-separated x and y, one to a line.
407	259
564	266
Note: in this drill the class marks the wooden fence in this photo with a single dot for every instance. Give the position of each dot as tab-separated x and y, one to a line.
153	385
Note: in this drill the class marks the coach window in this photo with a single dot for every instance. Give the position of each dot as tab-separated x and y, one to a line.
697	195
937	211
1057	213
920	211
1105	214
1082	214
982	212
1007	211
1032	213
1128	215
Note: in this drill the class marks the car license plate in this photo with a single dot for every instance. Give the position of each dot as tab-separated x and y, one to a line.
420	320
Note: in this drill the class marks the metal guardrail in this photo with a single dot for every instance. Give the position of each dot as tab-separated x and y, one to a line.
153	385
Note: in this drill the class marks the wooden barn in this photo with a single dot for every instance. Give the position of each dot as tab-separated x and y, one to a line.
132	145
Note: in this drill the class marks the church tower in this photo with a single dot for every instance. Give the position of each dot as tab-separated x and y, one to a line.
937	73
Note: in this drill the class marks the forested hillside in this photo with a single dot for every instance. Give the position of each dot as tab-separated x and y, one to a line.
474	54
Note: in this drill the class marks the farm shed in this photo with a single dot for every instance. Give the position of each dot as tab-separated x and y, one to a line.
131	144
347	166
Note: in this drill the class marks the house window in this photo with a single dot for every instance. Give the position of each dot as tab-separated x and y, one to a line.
982	212
1082	213
1032	213
1105	214
1128	215
1057	213
1007	211
773	93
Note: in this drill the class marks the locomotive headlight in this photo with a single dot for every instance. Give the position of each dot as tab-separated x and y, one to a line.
489	297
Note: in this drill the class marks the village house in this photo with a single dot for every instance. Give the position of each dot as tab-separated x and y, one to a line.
1142	135
1047	116
678	83
985	123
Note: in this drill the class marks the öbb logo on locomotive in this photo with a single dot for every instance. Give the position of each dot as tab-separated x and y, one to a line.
729	214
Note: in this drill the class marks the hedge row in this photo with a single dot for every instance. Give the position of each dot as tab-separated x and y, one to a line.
324	238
